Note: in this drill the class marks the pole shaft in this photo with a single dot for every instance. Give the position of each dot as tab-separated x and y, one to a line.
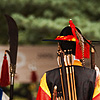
11	87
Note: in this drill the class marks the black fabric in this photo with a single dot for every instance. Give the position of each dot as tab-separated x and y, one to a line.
68	45
85	82
68	31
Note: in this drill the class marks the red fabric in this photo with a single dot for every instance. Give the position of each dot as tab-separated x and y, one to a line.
73	28
42	95
4	81
78	53
97	97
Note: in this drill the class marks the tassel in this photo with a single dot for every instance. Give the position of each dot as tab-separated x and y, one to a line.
4	81
78	53
87	50
33	76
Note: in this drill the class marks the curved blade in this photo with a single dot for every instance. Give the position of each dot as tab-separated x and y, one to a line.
13	39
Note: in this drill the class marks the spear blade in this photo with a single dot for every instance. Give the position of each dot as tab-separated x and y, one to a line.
13	39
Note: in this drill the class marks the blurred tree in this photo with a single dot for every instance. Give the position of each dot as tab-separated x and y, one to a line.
38	19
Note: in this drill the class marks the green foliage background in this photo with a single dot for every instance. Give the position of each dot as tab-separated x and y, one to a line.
39	19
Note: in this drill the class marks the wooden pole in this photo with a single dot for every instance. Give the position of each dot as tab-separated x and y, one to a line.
70	70
72	75
63	70
75	95
67	71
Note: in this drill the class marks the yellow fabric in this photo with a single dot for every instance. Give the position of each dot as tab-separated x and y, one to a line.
97	87
43	85
73	39
78	63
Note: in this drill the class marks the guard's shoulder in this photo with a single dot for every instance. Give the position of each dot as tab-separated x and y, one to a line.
52	70
85	72
54	73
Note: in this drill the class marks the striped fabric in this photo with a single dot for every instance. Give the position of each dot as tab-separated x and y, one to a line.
3	96
43	92
96	95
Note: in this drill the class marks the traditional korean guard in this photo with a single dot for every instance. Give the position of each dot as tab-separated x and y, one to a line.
72	80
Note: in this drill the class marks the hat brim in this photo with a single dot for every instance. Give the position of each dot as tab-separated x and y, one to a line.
51	40
56	40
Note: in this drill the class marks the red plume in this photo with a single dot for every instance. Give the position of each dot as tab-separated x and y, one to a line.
4	81
73	28
78	53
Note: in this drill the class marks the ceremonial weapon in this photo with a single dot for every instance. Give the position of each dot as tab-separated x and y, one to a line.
64	74
12	52
69	74
62	69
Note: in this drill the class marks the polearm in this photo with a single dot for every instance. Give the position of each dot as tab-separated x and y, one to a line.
13	41
63	73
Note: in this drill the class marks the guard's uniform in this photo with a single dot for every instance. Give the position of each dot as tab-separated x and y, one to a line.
70	38
84	78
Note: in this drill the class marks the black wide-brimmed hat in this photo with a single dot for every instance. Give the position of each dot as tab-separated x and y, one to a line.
66	34
71	38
